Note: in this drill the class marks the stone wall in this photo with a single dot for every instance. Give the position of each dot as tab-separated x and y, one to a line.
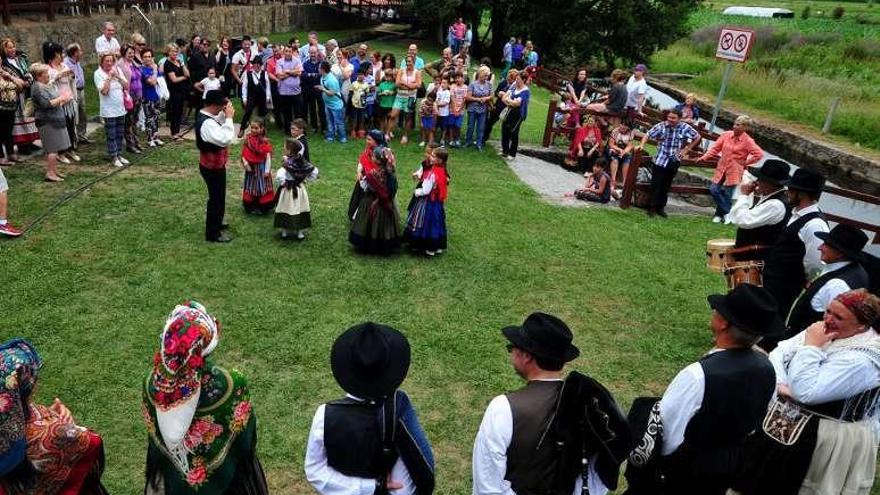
212	22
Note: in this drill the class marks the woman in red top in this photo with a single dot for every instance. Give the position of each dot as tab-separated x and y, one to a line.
586	145
258	195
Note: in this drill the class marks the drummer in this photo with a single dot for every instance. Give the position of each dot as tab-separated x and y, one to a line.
761	211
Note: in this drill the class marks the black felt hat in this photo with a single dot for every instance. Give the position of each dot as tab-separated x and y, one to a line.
847	239
804	180
215	97
370	360
750	308
773	171
545	336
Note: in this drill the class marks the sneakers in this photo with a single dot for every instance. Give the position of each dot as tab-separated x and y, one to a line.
343	141
73	156
421	144
63	159
152	144
300	236
117	163
717	219
9	231
123	160
431	253
159	142
727	220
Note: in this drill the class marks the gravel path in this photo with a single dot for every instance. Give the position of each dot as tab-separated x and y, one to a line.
549	180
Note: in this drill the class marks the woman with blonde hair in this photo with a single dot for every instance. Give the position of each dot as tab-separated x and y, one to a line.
478	97
49	115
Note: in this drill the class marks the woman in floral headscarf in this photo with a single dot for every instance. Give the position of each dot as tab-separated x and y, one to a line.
42	450
820	432
202	430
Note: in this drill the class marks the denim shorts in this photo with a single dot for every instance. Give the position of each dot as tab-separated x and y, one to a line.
428	123
454	121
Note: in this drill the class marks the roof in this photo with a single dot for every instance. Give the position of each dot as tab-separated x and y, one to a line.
759	12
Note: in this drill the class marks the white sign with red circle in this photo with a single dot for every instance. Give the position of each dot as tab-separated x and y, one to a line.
734	44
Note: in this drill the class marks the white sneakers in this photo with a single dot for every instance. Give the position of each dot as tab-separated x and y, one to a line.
725	219
123	160
716	219
117	163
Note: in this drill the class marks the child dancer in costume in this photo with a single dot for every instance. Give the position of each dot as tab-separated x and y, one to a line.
426	224
298	132
293	212
257	195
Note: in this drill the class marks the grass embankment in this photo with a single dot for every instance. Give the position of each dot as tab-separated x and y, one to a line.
92	285
797	67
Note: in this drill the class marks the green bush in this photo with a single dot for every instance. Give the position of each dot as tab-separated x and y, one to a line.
805	14
837	13
863	49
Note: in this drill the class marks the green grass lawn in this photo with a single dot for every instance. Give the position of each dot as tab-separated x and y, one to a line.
92	285
797	66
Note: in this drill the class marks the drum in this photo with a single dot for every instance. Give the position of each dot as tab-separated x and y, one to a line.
716	253
744	272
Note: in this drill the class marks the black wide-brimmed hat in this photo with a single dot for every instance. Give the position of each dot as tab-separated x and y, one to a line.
370	360
804	180
545	336
772	171
215	97
750	308
847	239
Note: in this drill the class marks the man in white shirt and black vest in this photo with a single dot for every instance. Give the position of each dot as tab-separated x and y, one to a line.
370	442
214	133
794	259
841	254
761	211
256	93
712	406
539	439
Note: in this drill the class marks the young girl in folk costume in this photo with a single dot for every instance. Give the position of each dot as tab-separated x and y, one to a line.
298	132
257	194
426	224
293	212
375	226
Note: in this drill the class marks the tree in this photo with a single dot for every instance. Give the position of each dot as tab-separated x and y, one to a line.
569	32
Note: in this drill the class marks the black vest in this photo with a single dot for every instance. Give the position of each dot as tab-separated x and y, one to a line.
530	466
765	235
353	438
256	90
201	144
802	313
738	387
784	273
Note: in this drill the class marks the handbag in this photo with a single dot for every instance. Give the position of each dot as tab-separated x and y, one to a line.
28	110
785	421
127	101
503	116
162	89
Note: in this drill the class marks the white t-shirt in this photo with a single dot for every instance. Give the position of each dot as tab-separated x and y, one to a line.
444	96
634	89
209	84
104	46
240	59
111	104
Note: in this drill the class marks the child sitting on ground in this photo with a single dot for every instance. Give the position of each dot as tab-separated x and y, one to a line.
293	212
257	194
597	187
425	229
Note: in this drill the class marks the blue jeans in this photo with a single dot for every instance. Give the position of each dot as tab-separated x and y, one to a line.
478	121
723	196
335	123
114	129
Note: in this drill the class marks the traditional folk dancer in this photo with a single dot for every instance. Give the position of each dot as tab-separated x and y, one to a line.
258	195
842	255
819	434
214	133
42	450
293	212
371	441
202	428
375	224
298	132
551	436
374	140
794	258
693	437
426	223
761	211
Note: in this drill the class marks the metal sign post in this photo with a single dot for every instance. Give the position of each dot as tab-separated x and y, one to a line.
734	45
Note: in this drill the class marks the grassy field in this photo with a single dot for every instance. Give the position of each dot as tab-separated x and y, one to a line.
797	66
91	287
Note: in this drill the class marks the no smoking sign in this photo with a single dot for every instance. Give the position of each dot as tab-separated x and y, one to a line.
734	44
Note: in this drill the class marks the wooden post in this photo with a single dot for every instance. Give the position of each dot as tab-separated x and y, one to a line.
50	10
7	15
87	8
629	182
826	128
117	7
548	126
